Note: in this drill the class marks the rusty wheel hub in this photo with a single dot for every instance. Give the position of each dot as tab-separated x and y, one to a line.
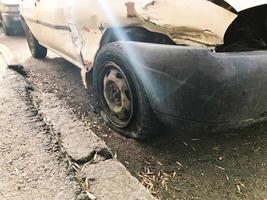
117	95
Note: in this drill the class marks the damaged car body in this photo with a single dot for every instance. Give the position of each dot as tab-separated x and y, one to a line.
196	64
10	17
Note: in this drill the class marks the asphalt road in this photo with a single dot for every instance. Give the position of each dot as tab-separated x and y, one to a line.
173	165
31	164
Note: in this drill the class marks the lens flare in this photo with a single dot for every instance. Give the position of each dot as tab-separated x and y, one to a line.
137	62
134	58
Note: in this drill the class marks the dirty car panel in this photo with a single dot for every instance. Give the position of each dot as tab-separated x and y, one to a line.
196	23
205	24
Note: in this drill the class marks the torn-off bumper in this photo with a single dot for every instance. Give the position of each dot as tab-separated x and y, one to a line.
198	89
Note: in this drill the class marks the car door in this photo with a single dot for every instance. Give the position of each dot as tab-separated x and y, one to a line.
29	11
70	28
55	32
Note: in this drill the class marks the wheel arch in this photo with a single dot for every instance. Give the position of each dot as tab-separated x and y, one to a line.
131	33
134	33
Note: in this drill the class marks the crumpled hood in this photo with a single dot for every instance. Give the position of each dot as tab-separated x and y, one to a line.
191	22
240	5
187	22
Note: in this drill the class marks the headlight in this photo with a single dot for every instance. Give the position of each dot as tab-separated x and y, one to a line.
11	8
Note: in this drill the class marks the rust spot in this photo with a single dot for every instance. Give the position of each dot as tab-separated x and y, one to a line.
152	3
86	29
130	9
101	28
88	64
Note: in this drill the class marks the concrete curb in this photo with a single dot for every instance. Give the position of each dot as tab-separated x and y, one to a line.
26	142
101	176
8	55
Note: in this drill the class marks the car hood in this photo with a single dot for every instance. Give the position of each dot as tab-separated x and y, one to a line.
200	22
9	2
240	5
187	22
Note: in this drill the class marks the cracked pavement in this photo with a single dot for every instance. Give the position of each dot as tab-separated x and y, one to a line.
30	164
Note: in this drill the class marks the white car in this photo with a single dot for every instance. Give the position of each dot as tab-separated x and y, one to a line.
194	64
10	16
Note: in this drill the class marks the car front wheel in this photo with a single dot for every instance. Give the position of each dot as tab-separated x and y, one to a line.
121	97
37	50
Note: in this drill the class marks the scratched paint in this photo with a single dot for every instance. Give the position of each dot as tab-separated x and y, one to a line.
91	21
78	35
204	26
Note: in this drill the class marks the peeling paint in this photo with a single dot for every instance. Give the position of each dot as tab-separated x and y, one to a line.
204	25
78	41
86	29
152	3
131	12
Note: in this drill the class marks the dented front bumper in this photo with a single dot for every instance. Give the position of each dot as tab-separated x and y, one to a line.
202	89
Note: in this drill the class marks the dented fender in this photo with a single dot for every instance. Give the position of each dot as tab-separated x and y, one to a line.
196	23
81	24
168	17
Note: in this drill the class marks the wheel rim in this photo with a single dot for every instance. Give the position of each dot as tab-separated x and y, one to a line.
117	95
